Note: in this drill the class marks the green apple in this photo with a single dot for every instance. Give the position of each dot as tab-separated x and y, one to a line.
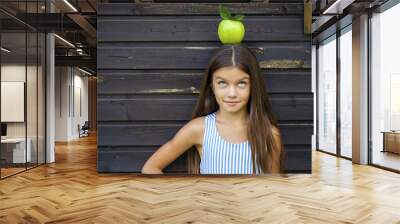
230	29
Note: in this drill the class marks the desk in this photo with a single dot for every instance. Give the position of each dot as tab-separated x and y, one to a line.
16	147
391	141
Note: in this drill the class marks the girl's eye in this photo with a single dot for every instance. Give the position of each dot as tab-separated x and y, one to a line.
221	83
242	84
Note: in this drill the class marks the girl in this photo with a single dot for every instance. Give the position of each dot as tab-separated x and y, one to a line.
233	130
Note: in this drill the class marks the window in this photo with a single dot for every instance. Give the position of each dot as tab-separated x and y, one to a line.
327	95
22	88
385	89
346	92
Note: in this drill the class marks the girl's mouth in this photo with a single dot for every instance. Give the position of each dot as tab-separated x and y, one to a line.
231	103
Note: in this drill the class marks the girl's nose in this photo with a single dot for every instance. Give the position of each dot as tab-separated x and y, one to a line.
232	91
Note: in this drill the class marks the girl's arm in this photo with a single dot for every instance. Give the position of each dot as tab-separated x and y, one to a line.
189	135
276	164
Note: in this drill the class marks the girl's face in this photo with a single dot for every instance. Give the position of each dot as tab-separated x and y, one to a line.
231	87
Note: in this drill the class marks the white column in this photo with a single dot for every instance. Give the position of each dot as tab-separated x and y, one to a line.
50	92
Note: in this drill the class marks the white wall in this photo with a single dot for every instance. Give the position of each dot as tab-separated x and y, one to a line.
80	110
71	93
61	103
12	101
13	73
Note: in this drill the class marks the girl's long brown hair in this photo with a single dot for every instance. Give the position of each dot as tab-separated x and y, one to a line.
263	133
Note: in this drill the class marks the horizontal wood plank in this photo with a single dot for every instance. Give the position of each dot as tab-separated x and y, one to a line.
190	56
137	9
178	82
132	159
298	161
200	28
169	109
153	134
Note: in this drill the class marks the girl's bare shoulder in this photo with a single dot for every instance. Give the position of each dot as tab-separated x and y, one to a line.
198	122
196	127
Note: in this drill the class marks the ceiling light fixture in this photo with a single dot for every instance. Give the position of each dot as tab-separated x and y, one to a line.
79	51
5	49
70	5
64	40
86	72
337	7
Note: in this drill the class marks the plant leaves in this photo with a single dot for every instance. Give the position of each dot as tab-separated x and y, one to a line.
224	12
238	17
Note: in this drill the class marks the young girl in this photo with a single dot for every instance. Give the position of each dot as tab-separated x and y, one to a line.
232	130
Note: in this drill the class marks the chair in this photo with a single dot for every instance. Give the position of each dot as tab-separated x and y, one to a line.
84	130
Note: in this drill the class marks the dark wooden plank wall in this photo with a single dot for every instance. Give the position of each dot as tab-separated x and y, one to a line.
151	58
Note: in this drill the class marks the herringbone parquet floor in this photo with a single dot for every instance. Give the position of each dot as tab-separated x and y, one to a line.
71	191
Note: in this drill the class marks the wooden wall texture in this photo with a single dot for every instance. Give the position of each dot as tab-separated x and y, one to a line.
151	58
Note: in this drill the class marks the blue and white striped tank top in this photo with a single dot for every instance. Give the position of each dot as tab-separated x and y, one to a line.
222	157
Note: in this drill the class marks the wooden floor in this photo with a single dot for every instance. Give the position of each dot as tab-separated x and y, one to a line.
5	172
71	191
387	159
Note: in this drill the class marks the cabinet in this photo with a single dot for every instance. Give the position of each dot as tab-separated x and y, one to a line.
391	142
